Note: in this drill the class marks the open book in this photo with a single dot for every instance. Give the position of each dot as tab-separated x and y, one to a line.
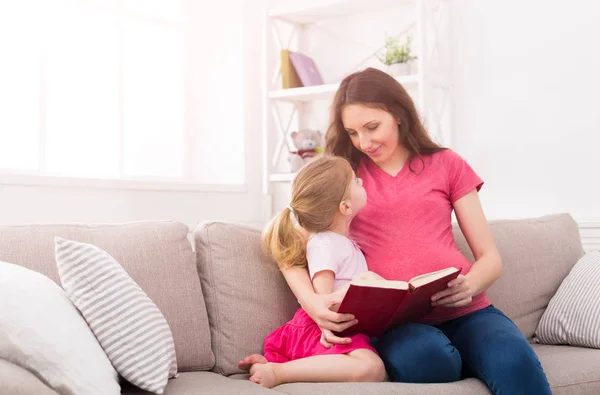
380	305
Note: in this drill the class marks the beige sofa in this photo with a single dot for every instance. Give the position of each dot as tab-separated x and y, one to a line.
222	302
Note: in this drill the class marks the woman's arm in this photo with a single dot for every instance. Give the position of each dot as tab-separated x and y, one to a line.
488	264
318	306
299	282
323	284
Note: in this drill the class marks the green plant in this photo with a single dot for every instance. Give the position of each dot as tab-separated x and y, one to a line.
396	53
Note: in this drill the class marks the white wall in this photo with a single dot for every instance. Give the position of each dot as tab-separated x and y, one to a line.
527	118
526	99
23	204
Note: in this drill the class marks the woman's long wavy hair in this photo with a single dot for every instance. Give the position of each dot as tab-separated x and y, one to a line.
375	88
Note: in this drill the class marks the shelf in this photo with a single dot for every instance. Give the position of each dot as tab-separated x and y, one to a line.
330	9
282	177
323	92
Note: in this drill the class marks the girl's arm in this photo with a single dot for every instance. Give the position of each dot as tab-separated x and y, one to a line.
323	282
488	264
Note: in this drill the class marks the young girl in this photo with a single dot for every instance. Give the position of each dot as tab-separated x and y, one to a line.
326	196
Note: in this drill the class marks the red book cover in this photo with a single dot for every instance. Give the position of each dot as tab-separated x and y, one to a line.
380	305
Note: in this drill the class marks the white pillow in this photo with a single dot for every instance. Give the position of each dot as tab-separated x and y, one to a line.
129	326
573	314
41	331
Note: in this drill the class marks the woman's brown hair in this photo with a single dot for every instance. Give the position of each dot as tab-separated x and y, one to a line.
317	191
375	88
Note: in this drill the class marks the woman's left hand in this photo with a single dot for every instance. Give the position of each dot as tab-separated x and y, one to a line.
459	293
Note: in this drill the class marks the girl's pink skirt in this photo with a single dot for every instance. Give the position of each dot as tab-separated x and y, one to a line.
301	338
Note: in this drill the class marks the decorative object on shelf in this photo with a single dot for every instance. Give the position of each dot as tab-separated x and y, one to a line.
306	68
308	143
289	77
397	57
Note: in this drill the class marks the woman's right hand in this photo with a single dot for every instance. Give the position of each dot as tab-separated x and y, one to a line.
321	308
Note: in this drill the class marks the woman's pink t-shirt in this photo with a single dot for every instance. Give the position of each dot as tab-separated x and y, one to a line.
406	227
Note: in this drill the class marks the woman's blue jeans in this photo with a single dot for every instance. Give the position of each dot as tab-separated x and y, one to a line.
484	344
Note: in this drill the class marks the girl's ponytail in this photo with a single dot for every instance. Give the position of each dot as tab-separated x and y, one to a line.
283	242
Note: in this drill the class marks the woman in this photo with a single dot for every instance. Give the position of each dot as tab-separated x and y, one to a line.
413	185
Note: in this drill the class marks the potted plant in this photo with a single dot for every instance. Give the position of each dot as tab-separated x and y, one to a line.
397	57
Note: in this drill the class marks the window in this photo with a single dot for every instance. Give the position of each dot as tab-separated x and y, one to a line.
117	89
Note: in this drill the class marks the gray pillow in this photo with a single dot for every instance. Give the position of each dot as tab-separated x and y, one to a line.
573	314
130	328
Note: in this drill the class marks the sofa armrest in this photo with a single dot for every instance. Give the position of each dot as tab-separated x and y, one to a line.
14	380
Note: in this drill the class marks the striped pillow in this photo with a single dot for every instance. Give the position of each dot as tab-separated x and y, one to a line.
573	314
130	328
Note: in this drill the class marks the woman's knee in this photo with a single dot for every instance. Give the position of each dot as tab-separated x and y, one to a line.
419	353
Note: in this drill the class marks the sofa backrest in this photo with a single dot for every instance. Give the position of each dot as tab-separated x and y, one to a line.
537	254
247	297
156	254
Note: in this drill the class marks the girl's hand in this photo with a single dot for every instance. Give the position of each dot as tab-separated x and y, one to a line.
459	293
328	339
321	309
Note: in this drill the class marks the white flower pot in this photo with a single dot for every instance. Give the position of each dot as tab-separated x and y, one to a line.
414	66
397	69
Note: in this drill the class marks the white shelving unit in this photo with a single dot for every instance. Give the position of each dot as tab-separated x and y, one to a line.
325	91
329	9
276	133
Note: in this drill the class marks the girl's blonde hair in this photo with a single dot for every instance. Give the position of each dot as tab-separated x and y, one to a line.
317	191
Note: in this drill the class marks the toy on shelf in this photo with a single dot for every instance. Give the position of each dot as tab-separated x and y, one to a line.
308	143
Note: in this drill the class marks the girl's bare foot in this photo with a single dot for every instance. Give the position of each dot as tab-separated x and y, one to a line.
263	375
247	362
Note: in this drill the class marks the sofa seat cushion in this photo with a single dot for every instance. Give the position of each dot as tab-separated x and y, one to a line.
464	387
203	383
467	387
570	370
156	254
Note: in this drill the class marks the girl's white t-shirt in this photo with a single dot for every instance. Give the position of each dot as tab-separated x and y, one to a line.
335	252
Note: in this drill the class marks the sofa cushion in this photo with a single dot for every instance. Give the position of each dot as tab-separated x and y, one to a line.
204	383
570	370
156	254
573	314
537	254
130	328
246	295
464	387
43	332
